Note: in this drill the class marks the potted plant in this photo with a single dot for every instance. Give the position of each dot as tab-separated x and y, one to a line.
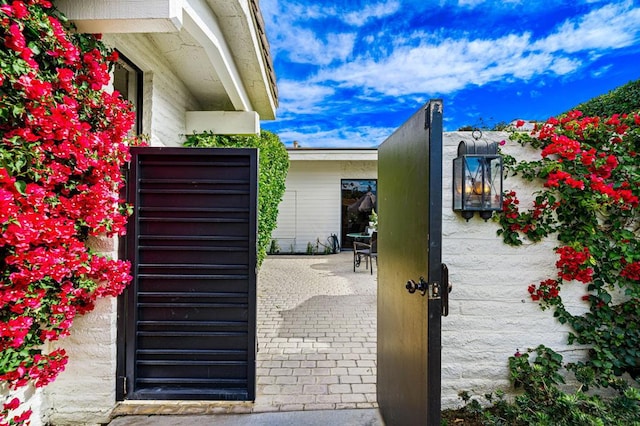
373	220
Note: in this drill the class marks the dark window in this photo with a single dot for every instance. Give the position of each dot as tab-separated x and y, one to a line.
358	198
127	79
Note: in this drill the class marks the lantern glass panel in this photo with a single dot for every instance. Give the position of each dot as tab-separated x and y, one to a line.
458	179
478	183
495	182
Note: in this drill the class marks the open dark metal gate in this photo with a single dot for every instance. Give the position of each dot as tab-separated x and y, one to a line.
412	281
189	317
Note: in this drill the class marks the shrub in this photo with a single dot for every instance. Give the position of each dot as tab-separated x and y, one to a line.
621	100
542	401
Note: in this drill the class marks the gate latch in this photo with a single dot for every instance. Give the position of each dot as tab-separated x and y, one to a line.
422	286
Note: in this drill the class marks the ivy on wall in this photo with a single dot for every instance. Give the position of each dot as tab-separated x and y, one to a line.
273	169
64	140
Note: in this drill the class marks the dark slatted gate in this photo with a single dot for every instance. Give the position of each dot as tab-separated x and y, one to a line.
190	314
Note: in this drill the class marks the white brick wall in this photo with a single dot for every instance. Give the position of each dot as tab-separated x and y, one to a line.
491	313
84	394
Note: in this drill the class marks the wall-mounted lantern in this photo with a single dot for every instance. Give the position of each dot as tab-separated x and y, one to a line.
477	178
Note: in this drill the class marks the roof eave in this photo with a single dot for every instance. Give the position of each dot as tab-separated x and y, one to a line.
248	72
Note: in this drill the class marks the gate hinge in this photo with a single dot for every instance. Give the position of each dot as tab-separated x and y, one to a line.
124	384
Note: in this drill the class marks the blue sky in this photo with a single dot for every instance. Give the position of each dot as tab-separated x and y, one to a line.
350	72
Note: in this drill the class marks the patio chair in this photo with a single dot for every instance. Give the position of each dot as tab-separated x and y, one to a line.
366	251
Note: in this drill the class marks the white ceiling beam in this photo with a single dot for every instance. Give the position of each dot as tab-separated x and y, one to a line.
223	122
124	16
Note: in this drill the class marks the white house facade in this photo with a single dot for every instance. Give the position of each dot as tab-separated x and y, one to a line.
205	64
312	206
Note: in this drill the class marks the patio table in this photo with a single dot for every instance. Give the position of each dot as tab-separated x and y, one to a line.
359	236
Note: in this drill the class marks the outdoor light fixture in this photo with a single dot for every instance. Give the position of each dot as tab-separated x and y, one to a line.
477	178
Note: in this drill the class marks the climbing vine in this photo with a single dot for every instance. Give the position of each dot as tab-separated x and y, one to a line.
589	197
64	140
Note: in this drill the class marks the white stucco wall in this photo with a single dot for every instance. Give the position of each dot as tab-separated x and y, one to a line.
84	394
491	314
311	205
165	98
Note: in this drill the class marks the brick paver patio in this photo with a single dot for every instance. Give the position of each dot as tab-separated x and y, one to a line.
316	334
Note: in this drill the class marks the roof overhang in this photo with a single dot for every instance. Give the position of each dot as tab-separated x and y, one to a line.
218	48
329	154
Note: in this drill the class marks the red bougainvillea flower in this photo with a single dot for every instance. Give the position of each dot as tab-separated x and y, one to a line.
588	200
631	271
573	264
562	146
556	178
62	144
546	290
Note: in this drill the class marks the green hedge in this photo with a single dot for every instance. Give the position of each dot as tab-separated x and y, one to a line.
624	99
274	165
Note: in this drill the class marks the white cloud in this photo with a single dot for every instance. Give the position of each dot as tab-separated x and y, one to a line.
294	33
470	3
562	66
610	27
602	70
442	66
297	11
303	47
302	98
358	18
342	137
290	36
300	12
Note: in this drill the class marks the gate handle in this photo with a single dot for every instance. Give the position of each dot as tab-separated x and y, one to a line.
421	286
446	290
